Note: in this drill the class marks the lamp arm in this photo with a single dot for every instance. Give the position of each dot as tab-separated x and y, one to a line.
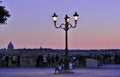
71	26
61	26
56	26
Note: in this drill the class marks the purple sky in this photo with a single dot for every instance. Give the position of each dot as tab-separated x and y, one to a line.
31	25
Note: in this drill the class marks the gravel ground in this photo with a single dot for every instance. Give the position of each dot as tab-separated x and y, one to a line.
38	72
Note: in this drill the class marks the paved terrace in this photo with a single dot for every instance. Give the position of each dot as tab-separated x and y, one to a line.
49	72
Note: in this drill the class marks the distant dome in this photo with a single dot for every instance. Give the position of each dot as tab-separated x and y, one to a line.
10	46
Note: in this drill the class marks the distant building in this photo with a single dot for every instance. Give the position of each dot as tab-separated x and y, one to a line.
28	57
10	47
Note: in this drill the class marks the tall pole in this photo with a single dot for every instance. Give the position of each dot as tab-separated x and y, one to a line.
66	67
66	26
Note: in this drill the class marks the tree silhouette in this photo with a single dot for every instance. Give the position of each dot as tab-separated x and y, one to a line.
4	14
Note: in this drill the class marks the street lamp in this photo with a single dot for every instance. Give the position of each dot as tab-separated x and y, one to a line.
66	26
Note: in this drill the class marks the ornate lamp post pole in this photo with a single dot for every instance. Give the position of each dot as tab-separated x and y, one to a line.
66	26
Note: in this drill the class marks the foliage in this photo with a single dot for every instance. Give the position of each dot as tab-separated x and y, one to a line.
4	14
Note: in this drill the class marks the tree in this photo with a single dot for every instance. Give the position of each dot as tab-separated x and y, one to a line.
4	14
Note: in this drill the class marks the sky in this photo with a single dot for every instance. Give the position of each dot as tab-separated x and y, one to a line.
31	25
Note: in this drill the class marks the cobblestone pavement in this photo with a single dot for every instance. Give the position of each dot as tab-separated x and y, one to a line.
38	72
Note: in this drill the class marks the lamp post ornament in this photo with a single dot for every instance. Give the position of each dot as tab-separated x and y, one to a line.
66	26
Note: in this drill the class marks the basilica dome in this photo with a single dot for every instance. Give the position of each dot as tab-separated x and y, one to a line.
10	46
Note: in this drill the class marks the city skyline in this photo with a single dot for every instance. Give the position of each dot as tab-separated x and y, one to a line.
31	25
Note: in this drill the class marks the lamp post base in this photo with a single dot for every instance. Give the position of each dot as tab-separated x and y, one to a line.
66	68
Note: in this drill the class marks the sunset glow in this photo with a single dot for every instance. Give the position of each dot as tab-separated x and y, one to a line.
31	24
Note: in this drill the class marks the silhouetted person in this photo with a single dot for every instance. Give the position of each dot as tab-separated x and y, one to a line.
39	61
52	60
18	61
14	60
7	61
44	60
119	58
3	60
48	60
56	58
80	60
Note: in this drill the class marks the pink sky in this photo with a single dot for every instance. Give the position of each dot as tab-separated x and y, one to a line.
31	25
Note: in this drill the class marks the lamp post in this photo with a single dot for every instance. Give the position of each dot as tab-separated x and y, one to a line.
66	26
